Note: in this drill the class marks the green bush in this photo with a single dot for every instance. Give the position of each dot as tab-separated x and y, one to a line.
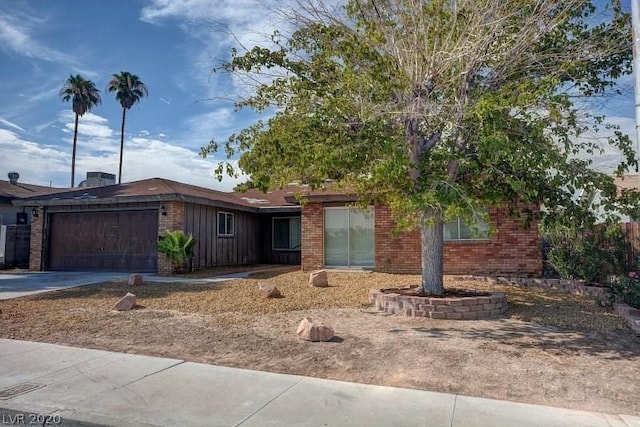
626	289
178	247
592	255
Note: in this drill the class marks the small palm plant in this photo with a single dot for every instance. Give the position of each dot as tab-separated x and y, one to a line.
178	247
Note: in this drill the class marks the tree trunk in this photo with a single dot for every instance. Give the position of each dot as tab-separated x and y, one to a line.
73	154
124	114
431	225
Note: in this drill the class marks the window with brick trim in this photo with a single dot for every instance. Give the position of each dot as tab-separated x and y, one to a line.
286	233
226	226
459	229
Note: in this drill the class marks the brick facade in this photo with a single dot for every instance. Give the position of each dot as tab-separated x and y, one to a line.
173	220
35	244
511	250
312	236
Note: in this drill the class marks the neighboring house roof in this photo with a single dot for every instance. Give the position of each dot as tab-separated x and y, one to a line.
329	193
20	191
164	190
628	182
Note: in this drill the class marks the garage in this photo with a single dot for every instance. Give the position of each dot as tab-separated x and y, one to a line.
103	241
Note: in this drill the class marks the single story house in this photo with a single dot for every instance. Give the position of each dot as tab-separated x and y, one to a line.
116	227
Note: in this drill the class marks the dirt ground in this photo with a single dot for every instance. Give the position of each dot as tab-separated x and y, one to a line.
550	348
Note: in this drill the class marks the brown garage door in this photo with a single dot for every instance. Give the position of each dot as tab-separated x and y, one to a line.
107	241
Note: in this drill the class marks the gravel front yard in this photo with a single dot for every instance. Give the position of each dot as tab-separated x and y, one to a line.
549	348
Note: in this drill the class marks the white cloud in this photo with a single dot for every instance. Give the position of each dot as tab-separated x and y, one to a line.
232	12
36	163
31	97
188	9
143	158
15	36
89	125
11	125
41	127
150	158
216	124
611	156
216	27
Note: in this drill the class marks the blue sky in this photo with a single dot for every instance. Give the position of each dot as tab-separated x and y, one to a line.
172	45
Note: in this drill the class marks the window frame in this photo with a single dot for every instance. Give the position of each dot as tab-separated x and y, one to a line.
459	220
225	216
273	233
369	210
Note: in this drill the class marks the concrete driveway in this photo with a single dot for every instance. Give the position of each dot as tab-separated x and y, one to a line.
21	284
14	285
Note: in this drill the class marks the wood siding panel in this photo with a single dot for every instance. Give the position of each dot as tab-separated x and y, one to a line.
200	244
214	251
210	233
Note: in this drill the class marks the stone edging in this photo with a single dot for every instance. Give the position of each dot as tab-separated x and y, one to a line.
630	314
577	287
462	308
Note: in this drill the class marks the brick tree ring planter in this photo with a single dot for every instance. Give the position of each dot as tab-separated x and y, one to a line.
481	305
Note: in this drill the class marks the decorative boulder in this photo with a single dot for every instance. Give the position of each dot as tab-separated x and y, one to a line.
269	290
309	331
319	279
126	303
135	280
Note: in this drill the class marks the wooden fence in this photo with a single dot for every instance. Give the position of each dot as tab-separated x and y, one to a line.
632	229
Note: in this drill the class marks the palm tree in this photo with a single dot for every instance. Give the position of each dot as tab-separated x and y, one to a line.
83	95
129	89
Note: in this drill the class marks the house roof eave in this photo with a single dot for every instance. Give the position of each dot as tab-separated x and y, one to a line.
281	209
154	199
325	198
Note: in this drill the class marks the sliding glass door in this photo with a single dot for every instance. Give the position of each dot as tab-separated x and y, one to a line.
349	237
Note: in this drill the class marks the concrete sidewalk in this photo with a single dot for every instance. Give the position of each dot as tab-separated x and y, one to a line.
76	386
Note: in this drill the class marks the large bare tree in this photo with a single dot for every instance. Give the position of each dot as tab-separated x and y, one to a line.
438	108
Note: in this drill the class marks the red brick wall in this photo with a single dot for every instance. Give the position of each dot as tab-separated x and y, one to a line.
312	236
35	244
173	220
511	250
395	253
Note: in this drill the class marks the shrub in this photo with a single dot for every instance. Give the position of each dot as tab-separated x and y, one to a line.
592	255
626	289
178	247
